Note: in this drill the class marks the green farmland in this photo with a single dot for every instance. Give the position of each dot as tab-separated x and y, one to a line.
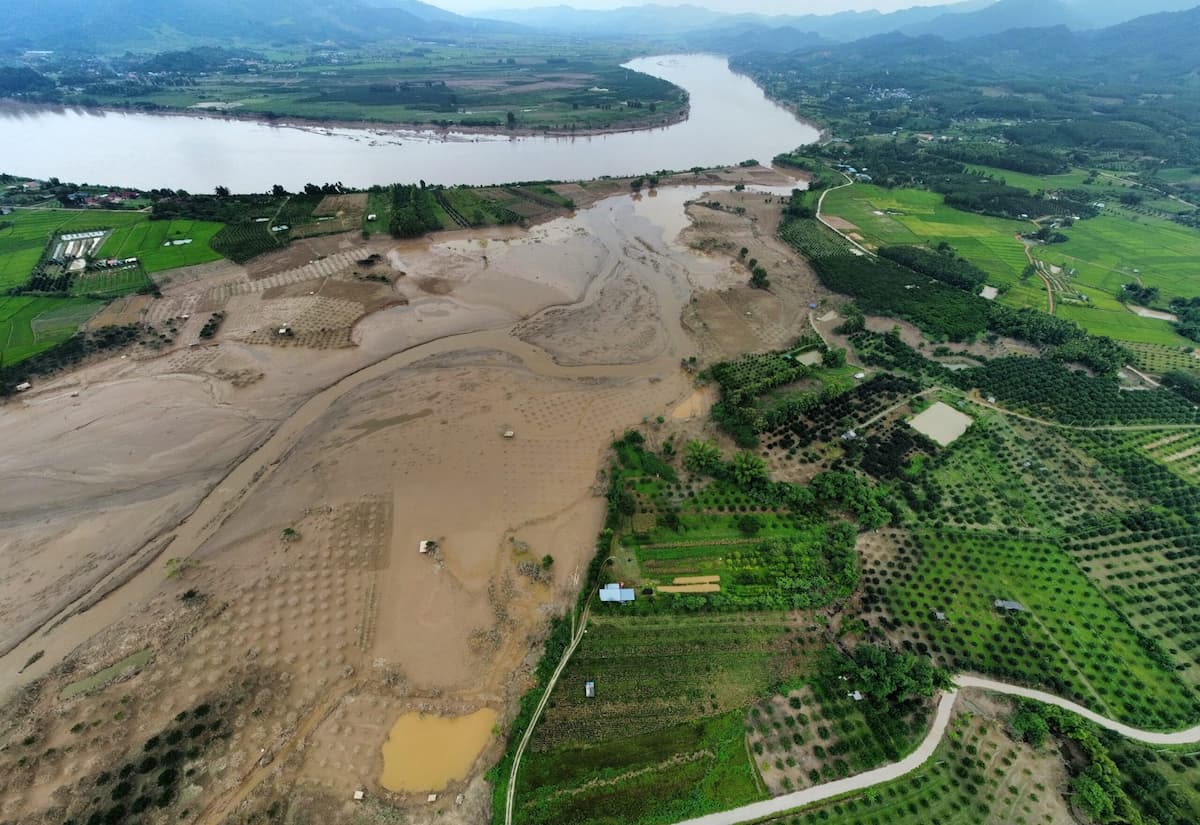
1102	254
134	236
1111	250
152	242
915	216
30	325
679	687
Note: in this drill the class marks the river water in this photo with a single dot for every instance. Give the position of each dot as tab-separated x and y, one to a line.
731	120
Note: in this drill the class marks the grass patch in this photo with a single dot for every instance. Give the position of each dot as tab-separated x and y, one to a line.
916	216
30	325
112	283
663	739
129	664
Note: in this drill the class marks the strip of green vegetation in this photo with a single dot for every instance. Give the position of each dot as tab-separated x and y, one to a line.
129	664
706	769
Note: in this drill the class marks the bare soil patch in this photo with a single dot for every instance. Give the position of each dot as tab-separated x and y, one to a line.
942	423
690	588
352	206
841	224
130	309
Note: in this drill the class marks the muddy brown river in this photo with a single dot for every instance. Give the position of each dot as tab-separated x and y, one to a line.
731	120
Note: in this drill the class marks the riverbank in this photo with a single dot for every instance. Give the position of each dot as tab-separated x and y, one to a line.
421	130
729	120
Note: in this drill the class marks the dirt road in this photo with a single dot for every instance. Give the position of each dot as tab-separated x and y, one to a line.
821	218
1033	262
789	802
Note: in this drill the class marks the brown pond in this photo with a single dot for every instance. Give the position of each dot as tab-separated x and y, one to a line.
427	753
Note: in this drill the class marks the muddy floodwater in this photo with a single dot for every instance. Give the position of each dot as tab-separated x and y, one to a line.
730	120
427	753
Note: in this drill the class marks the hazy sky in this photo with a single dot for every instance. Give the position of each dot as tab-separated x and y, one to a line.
763	6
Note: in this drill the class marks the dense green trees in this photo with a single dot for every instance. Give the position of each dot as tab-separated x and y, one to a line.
942	264
1049	390
895	676
1186	384
414	212
884	287
748	470
1188	311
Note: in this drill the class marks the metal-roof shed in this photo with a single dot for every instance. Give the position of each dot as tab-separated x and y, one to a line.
615	593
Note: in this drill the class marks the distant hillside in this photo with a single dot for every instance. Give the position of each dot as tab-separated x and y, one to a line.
651	20
1007	15
1001	16
1155	47
703	28
155	25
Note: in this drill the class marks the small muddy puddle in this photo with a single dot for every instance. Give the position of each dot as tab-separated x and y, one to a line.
427	753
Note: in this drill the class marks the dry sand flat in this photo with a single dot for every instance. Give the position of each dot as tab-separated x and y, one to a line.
333	635
942	423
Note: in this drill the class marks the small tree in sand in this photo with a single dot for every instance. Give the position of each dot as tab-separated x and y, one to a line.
290	534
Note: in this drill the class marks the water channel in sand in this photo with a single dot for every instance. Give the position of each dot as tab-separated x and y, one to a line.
730	120
427	753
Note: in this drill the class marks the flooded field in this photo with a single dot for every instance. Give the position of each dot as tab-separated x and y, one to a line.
427	753
266	563
942	423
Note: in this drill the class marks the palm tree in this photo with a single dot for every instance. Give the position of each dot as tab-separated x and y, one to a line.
702	457
749	470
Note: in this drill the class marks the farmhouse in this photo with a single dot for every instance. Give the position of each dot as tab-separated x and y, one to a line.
1009	606
615	593
589	689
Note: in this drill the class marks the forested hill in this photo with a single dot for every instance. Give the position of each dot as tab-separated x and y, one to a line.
1127	91
141	24
1148	49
